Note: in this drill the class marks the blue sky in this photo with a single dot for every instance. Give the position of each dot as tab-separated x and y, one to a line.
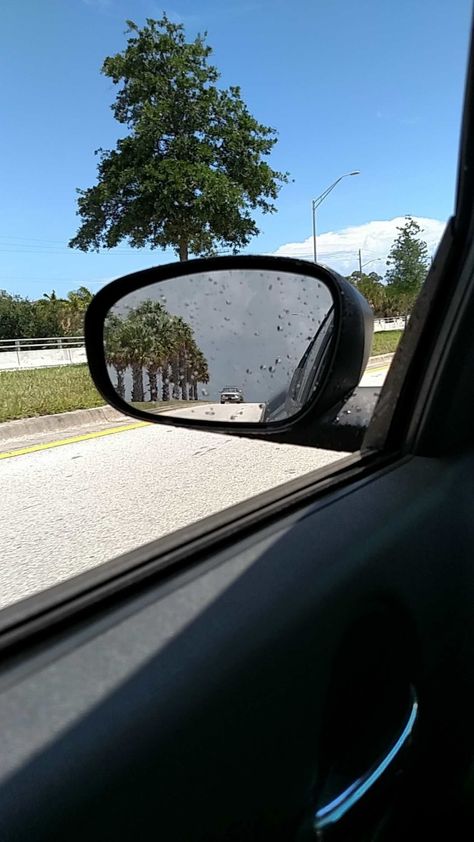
349	84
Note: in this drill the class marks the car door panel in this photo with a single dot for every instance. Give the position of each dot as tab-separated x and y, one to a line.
202	708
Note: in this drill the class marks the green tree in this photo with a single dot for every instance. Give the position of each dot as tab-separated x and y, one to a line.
373	290
154	322
48	316
74	310
191	171
149	340
116	350
16	316
408	265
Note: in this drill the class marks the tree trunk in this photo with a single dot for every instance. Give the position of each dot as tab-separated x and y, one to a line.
195	391
153	381
183	250
174	364
120	387
137	383
183	376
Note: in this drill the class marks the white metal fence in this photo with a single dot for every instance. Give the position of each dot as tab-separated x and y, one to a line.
41	353
395	323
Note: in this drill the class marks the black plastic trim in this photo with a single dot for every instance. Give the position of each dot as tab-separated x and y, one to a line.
346	363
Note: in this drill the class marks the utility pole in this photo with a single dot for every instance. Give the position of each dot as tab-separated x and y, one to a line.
360	263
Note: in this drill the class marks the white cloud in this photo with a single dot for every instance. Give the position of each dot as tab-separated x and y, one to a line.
339	249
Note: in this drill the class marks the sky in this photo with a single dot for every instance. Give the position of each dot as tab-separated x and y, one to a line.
368	85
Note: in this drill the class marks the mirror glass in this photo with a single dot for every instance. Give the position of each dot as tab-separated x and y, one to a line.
238	345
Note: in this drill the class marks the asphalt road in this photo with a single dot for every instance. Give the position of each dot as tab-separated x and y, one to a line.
69	508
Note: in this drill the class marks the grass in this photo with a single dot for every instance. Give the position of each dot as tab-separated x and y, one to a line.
385	342
44	391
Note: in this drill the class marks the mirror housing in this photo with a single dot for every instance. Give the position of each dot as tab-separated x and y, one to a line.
339	373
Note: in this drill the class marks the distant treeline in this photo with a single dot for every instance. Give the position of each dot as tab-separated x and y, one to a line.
23	318
149	340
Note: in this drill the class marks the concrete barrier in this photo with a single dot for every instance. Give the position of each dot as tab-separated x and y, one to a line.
20	359
66	422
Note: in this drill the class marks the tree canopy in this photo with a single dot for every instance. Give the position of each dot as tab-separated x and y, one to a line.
191	171
408	264
407	267
150	340
22	318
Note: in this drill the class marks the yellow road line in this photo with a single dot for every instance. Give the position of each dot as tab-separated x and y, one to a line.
34	448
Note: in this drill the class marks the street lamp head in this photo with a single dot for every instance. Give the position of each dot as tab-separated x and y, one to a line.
356	172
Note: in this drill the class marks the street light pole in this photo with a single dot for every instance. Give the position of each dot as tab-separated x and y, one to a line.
314	232
319	199
361	265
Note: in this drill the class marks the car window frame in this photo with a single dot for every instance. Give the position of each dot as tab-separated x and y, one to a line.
396	432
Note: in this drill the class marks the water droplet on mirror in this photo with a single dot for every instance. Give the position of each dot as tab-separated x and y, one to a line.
279	327
270	286
227	318
227	301
278	360
248	371
204	392
262	367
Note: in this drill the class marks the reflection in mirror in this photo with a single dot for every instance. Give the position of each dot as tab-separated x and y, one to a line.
227	345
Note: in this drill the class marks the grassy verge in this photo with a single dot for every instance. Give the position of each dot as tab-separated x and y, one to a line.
44	391
385	342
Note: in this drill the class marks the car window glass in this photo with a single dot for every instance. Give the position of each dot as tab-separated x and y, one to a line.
318	131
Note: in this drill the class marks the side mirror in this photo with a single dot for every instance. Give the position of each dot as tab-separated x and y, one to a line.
253	346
